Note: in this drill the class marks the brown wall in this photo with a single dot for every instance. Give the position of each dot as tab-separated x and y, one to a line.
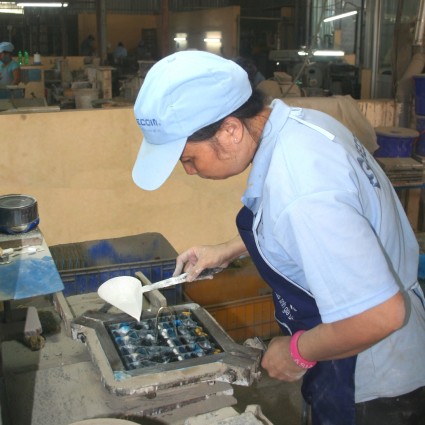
225	19
78	164
128	28
125	28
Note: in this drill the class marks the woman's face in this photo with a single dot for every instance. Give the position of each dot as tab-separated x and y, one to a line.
229	154
5	57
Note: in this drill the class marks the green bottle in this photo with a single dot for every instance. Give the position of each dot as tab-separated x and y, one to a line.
20	57
26	58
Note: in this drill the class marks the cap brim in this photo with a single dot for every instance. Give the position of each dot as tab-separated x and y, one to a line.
155	163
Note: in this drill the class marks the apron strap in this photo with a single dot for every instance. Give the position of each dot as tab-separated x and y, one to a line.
329	386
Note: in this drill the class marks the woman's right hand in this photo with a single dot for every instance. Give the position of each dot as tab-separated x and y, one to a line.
194	260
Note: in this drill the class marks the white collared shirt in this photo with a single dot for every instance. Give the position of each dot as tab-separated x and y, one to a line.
331	221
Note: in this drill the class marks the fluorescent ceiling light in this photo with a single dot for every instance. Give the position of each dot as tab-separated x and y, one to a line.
10	7
18	11
328	53
340	16
57	4
322	53
180	36
212	37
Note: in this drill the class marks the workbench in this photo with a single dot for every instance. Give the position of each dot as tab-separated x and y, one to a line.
24	106
61	383
32	79
27	273
407	176
416	212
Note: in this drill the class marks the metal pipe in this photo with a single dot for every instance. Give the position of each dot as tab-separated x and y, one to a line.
308	23
420	25
164	28
101	30
376	44
362	32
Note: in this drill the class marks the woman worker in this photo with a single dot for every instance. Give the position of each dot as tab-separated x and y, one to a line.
322	224
10	72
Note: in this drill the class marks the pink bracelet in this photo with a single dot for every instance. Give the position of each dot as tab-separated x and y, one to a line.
295	354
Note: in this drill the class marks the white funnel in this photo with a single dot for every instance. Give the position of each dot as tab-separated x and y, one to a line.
124	293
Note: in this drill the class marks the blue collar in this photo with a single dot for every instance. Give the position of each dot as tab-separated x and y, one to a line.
260	164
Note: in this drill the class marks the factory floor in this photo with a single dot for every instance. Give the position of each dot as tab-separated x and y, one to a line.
281	402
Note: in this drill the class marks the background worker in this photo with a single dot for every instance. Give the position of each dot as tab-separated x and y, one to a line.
322	224
120	52
87	46
10	71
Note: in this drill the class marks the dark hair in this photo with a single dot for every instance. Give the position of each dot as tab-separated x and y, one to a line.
253	106
248	66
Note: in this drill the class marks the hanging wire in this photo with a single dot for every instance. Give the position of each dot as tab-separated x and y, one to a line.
172	315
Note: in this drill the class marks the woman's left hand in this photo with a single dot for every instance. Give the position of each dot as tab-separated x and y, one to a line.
336	340
278	362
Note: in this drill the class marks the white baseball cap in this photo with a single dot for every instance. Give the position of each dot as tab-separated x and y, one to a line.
5	46
181	94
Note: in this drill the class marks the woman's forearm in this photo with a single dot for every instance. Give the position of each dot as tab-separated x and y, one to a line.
235	248
355	334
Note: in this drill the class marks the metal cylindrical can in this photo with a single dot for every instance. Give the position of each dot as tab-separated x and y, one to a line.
18	213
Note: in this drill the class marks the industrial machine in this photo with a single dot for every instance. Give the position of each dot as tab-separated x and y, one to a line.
318	75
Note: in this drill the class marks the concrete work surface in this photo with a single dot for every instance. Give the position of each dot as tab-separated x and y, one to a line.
60	385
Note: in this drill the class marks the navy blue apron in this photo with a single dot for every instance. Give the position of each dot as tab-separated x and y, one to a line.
328	387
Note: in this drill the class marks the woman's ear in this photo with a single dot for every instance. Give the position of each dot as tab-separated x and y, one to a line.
233	128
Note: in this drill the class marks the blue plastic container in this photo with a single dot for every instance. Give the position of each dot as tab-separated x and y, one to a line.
421	267
420	143
84	266
18	93
419	94
395	142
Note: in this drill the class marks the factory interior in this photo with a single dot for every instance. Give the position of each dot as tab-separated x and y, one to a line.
71	217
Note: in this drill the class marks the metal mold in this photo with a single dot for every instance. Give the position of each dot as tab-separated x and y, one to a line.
181	346
164	339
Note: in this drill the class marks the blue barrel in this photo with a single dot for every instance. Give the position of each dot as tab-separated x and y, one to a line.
419	94
395	141
420	143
